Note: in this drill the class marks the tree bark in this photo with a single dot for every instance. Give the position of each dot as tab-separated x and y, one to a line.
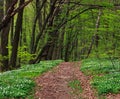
16	38
95	38
1	16
4	41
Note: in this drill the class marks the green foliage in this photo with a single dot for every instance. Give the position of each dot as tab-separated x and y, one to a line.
19	83
109	83
107	4
24	55
94	66
106	77
75	85
2	58
15	87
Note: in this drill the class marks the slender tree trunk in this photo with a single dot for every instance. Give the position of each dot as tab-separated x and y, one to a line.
1	16
12	30
97	27
47	23
13	60
95	38
4	41
67	52
1	10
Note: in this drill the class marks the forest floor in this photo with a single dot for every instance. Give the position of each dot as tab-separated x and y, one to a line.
54	84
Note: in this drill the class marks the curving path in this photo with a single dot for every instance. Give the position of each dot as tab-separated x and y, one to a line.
54	84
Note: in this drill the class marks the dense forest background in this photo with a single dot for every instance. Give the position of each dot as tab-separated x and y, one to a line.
35	30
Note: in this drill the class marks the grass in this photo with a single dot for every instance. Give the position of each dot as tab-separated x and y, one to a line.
76	86
19	83
106	77
99	66
109	83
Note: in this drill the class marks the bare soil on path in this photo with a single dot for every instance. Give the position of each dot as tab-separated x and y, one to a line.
54	84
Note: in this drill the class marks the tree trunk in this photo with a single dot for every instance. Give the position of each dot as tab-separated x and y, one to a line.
97	27
16	38
1	16
4	41
95	38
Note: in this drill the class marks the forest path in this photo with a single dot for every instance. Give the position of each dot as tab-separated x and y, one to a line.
54	84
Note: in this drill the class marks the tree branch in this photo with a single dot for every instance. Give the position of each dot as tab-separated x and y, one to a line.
11	12
92	5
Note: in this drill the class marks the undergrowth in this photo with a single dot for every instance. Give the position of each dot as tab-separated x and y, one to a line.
106	77
75	86
109	83
19	83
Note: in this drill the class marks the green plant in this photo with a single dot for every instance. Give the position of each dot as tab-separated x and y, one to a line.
24	55
109	83
96	66
15	87
106	78
75	85
19	83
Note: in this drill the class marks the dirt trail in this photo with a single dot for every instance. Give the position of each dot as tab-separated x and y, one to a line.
54	84
113	96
